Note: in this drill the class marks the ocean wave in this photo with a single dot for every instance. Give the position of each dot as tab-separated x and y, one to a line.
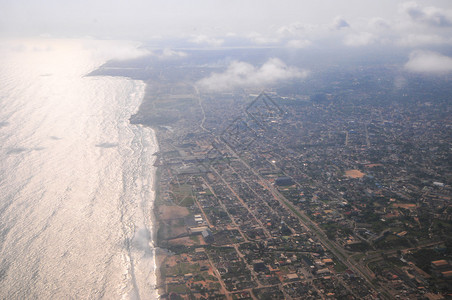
76	214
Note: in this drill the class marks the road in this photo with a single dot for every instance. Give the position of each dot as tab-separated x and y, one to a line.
341	254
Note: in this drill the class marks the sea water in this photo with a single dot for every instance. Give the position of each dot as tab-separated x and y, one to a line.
76	178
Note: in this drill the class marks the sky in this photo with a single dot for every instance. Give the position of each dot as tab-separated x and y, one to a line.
421	26
298	23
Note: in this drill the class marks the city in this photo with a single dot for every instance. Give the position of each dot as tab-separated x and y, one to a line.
343	195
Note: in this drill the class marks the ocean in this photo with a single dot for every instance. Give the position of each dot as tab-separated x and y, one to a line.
76	178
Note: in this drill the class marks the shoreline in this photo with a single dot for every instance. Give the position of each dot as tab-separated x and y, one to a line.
149	214
159	253
169	215
217	200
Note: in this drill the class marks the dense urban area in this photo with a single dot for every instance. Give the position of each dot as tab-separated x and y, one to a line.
337	187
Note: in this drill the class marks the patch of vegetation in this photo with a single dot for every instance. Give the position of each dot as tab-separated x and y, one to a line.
339	267
361	247
178	288
182	269
187	202
214	286
182	194
198	277
441	228
333	229
391	241
195	238
424	257
269	293
207	276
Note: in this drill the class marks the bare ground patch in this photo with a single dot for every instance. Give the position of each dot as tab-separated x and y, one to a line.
354	174
167	212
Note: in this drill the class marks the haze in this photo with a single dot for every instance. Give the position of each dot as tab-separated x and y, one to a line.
293	23
314	136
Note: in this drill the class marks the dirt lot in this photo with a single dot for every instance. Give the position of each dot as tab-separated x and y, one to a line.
405	205
167	212
354	174
188	241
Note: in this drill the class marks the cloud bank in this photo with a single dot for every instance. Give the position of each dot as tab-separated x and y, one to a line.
340	22
429	62
244	75
206	40
431	16
217	23
298	43
113	49
168	53
359	39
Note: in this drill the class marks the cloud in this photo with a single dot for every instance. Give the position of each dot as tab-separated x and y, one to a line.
340	22
400	82
414	40
298	43
428	62
98	49
169	53
428	15
359	39
113	49
244	75
379	24
291	29
204	39
260	39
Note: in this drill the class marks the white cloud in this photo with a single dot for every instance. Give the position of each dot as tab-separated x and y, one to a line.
121	50
428	15
379	24
169	53
244	75
218	23
260	39
290	30
103	49
359	39
414	40
204	39
428	62
340	22
298	43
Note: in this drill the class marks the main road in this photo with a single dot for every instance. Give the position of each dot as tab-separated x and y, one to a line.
336	250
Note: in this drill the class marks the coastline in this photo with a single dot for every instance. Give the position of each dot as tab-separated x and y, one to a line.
171	116
207	190
83	212
159	253
170	109
141	118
